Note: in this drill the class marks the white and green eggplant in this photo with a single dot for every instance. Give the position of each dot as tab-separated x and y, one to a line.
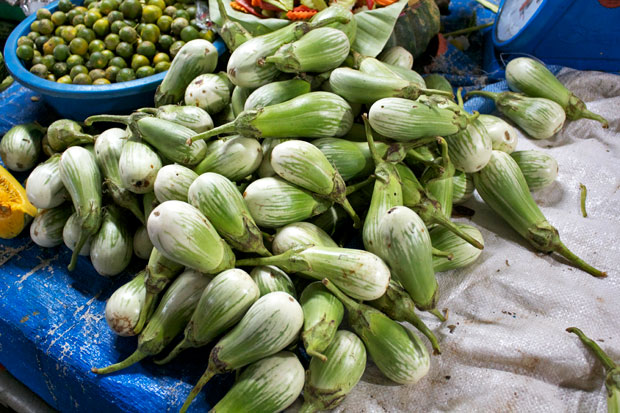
71	233
269	278
194	58
311	115
171	316
320	50
191	117
47	227
462	253
44	187
462	187
222	304
540	118
20	147
397	56
437	81
238	98
503	136
180	232
231	31
81	177
503	187
359	273
234	157
209	91
329	381
276	92
265	170
323	314
138	166
111	248
376	67
351	159
64	133
531	77
142	245
437	179
300	234
304	165
268	385
122	310
222	204
274	202
270	325
539	168
173	182
398	353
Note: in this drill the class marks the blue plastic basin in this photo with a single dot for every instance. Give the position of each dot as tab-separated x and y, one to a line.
80	101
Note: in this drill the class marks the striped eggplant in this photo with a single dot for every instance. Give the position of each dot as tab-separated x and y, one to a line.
223	205
351	159
320	50
311	115
209	91
273	202
123	308
359	273
269	278
180	232
462	187
276	92
71	235
397	304
304	165
270	325
111	248
397	56
138	166
322	316
462	252
191	117
359	87
81	177
502	186
47	227
539	168
437	179
339	17
265	170
234	157
20	147
540	118
300	234
231	31
503	136
612	379
531	77
64	133
108	149
173	182
398	353
168	320
437	81
44	188
329	381
268	385
373	66
142	245
222	304
238	98
194	58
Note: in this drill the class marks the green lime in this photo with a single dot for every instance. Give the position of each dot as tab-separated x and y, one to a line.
65	5
138	61
181	13
32	36
108	6
74	60
178	25
87	34
48	61
207	34
189	33
150	33
25	52
111	72
82	79
161	4
111	41
79	27
98	60
128	34
79	19
117	26
139	27
170	2
48	47
164	23
81	9
35	26
44	14
170	10
124	49
59	18
131	9
150	14
51	77
87	3
101	81
62	52
96	74
69	33
108	54
175	47
91	17
144	71
194	23
162	67
24	40
76	70
191	10
117	61
46	26
114	16
125	74
36	59
78	46
58	30
161	57
39	70
66	79
165	42
60	69
146	48
101	27
71	15
40	41
96	46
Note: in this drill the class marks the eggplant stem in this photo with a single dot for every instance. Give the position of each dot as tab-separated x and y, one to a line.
314	353
417	322
585	113
437	314
436	92
174	352
440	253
277	260
355	187
440	219
150	111
347	301
591	344
308	407
346	205
482	93
584	193
468	29
129	361
459	96
371	142
76	250
107	118
268	237
147	310
275	59
204	379
563	250
225	128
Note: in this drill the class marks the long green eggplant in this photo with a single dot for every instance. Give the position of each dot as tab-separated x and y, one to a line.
234	157
463	253
376	67
397	56
539	168
191	117
270	278
437	179
123	308
351	159
44	187
462	187
300	234
276	92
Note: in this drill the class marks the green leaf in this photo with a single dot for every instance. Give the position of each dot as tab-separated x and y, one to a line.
374	28
252	24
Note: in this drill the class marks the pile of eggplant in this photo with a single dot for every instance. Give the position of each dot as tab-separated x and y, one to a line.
251	186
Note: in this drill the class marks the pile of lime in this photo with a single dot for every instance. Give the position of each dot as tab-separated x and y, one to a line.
108	41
